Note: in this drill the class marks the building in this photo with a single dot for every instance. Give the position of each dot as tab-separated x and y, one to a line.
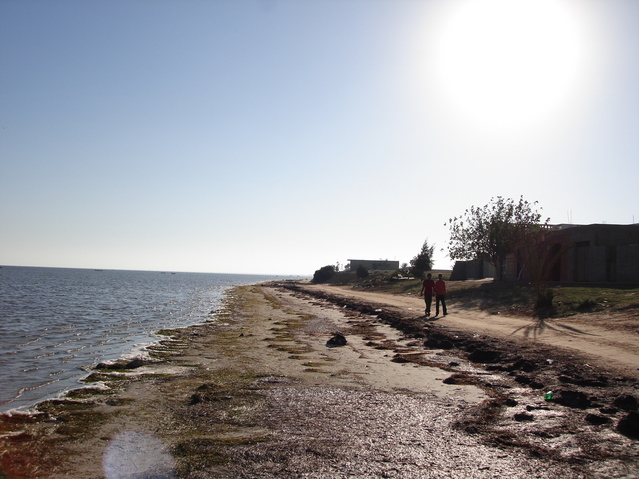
374	265
475	269
596	253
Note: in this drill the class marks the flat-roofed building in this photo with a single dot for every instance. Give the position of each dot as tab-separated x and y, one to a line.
374	265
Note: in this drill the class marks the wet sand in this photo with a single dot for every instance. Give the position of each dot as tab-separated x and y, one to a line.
257	393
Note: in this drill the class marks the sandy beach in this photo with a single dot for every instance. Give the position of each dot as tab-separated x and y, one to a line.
258	393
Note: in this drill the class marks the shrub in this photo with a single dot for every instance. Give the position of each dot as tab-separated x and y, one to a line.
544	299
323	274
362	272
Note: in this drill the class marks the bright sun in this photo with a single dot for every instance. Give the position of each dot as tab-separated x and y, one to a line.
508	65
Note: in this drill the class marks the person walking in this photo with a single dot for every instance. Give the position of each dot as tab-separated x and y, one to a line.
428	289
440	291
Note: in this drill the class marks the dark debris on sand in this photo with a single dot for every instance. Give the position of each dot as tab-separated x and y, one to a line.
589	420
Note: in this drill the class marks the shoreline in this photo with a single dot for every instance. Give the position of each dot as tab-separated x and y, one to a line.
259	394
53	335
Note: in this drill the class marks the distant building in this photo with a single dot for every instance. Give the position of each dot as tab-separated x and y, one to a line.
374	265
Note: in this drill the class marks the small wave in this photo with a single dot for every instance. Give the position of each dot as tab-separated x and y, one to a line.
28	370
73	350
21	391
28	343
72	340
64	328
45	355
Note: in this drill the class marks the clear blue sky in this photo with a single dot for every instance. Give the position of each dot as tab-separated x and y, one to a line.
278	136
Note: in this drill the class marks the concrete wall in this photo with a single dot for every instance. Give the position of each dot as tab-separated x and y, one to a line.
598	253
472	270
628	264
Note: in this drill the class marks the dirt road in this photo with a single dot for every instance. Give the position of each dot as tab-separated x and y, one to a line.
610	341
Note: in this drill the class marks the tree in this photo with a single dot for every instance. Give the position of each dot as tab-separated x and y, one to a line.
323	274
539	258
494	231
423	262
361	272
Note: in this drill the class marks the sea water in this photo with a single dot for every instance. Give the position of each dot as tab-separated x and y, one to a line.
55	323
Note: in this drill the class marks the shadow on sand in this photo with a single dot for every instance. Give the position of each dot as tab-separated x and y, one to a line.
540	325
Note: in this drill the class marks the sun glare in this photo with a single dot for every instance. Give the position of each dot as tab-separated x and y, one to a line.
508	65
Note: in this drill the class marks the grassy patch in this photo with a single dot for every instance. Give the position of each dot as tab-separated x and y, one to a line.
408	286
585	299
519	298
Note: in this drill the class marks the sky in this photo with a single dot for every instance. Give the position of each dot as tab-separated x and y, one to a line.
280	136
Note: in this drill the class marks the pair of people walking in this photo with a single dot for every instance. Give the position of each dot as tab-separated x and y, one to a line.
437	288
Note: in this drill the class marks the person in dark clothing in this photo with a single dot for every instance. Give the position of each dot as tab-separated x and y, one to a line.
440	291
428	289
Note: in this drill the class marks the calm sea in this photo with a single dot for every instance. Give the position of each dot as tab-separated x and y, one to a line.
56	323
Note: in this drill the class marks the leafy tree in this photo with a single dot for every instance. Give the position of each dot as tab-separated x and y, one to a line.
494	231
423	262
323	274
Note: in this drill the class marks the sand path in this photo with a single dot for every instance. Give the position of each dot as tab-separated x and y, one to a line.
609	340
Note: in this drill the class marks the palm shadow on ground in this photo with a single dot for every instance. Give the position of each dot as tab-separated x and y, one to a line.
540	325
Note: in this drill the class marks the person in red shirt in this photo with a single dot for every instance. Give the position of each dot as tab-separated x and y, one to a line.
440	291
428	289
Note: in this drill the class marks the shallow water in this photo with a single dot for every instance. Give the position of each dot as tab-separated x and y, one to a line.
56	323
